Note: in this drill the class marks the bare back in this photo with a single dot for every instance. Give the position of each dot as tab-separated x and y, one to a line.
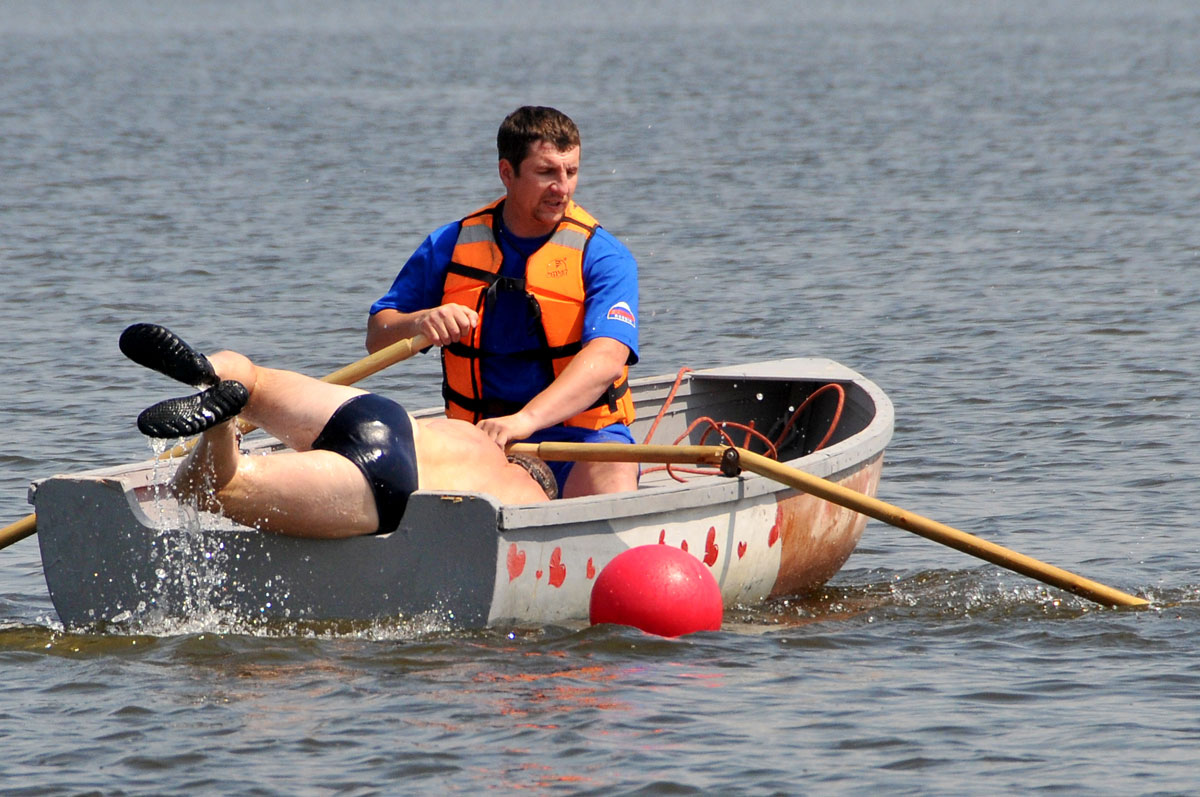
454	455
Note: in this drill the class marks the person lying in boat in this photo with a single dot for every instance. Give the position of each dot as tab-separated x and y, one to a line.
356	456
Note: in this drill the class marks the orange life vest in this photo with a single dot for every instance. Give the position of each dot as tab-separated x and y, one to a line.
554	280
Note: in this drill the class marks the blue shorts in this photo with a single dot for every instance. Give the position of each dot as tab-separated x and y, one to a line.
614	433
375	433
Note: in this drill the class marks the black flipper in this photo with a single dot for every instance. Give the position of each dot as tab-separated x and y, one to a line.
191	415
160	349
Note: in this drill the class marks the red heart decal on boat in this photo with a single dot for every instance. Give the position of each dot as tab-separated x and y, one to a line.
591	569
741	549
516	561
683	545
710	547
773	537
662	537
558	571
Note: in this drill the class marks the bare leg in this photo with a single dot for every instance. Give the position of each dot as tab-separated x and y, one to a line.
303	492
594	478
209	466
291	406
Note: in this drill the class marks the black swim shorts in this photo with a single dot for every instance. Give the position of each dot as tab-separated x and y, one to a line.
375	433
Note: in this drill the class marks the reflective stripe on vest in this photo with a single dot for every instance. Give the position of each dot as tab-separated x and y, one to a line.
554	284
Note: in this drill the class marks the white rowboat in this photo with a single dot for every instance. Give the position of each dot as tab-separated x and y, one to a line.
115	547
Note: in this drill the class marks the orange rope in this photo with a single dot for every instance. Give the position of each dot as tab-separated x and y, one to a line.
713	426
666	403
837	415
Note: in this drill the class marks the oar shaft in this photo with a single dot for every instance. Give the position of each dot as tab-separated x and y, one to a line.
25	527
842	496
373	363
938	532
621	452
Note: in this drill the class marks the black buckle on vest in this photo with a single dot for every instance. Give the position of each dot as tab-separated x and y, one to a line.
611	396
508	284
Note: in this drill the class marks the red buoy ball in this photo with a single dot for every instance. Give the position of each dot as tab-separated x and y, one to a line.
658	588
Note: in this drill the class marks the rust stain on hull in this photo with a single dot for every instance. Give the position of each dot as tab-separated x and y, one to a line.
818	536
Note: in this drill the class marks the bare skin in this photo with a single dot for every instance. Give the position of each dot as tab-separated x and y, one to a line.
536	199
316	493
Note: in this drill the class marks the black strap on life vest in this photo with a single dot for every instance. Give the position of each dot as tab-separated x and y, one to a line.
467	350
495	283
494	408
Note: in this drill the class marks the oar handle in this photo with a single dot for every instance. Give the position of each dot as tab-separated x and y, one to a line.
373	363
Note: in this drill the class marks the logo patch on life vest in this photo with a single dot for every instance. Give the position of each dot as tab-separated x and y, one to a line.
621	312
556	268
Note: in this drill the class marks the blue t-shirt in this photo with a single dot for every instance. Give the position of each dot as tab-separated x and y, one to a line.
610	304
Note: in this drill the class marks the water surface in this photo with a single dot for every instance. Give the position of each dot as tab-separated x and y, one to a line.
988	209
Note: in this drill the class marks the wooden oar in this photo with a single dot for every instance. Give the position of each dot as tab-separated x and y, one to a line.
837	494
25	527
373	363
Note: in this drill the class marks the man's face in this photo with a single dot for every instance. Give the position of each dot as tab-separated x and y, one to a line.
537	197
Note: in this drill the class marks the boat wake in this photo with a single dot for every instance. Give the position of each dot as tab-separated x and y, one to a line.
934	596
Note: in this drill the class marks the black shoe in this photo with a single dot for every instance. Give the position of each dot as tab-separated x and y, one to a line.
189	415
540	472
160	349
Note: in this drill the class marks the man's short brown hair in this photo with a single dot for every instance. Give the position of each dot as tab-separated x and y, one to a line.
530	124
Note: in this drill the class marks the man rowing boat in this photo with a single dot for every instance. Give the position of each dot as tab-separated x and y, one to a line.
534	305
356	456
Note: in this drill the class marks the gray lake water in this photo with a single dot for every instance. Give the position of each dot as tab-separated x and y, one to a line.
989	209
